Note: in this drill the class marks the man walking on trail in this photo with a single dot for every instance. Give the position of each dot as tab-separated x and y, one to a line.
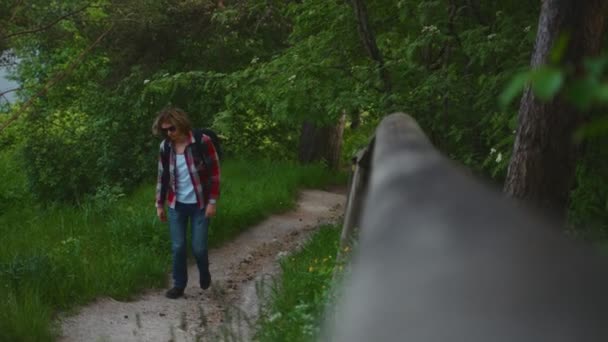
189	181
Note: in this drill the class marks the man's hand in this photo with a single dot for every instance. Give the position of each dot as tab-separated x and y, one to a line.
160	212
210	211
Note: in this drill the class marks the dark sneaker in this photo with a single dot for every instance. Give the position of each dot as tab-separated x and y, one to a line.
205	280
174	293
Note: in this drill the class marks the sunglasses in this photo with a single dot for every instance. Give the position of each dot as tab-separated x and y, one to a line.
165	130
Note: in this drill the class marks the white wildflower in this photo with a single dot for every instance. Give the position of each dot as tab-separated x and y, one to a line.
431	29
492	151
281	255
274	317
499	157
146	81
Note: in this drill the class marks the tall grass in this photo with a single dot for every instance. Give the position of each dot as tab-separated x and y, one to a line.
55	259
299	297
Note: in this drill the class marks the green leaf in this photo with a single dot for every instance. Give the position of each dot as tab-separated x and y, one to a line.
546	82
558	50
595	66
513	122
514	88
601	93
593	129
582	92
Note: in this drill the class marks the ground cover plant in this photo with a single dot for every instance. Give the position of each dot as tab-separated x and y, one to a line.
113	245
299	297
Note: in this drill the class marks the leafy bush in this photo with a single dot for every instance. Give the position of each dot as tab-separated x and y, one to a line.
59	156
13	187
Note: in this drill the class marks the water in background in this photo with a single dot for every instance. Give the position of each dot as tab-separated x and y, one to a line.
6	84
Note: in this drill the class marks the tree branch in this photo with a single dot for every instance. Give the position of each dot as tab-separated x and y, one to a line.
14	14
6	99
45	27
9	91
54	81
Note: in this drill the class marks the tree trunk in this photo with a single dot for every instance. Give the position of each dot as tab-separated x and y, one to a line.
322	143
308	150
543	163
369	41
334	146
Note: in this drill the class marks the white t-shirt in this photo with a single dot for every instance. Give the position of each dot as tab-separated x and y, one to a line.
185	189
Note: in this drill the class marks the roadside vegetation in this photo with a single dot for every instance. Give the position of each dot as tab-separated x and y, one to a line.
62	256
294	89
305	288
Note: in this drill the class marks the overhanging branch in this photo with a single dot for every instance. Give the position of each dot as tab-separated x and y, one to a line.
53	81
45	27
9	91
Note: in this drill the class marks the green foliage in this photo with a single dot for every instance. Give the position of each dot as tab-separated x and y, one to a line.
588	213
452	69
251	191
13	188
584	92
58	158
110	88
299	297
255	70
50	259
213	99
24	317
356	139
546	81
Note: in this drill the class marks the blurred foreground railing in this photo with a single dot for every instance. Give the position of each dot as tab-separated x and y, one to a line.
443	257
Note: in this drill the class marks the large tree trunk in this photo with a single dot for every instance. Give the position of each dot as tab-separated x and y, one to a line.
543	163
322	143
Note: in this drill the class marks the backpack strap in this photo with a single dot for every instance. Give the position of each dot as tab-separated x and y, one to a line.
198	145
199	149
165	155
165	177
198	137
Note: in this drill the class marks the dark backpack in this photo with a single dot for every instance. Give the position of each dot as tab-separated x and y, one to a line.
214	138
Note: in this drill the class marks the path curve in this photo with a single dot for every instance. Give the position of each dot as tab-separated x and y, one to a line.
230	303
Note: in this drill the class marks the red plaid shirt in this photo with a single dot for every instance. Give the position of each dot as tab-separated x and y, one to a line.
205	175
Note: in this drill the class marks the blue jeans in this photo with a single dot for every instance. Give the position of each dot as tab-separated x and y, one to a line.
178	225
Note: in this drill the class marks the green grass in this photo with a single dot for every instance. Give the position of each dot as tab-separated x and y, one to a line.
55	259
299	297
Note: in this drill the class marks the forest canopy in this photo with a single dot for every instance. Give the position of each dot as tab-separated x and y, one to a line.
305	80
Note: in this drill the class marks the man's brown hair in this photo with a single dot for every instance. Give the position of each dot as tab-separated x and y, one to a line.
174	116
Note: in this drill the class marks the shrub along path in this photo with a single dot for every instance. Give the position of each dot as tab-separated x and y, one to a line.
230	305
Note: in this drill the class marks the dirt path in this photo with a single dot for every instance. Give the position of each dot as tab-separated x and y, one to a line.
238	269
